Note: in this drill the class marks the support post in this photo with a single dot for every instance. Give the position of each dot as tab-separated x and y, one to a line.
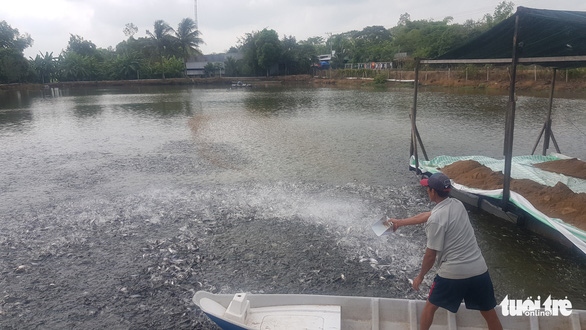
538	139
510	122
414	134
547	132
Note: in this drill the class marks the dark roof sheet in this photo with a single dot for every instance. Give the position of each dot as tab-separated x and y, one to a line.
552	38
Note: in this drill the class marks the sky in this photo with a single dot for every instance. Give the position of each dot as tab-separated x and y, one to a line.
223	22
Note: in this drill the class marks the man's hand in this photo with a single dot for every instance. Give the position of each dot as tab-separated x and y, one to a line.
428	261
414	220
417	281
394	223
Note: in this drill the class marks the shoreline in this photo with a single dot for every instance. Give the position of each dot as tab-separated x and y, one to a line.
432	79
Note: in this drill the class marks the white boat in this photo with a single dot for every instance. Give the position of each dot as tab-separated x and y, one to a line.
298	311
240	84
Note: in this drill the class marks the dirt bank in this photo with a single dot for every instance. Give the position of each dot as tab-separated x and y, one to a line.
556	202
498	79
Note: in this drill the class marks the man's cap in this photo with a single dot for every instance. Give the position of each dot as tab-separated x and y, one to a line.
437	181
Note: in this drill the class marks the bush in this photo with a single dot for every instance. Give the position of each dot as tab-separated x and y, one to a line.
380	79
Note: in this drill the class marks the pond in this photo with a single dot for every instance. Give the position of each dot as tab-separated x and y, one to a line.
118	204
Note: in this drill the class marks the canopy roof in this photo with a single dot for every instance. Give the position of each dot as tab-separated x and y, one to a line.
552	38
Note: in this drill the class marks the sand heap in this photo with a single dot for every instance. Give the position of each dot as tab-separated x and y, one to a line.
556	202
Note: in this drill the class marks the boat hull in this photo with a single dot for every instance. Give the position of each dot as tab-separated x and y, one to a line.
366	313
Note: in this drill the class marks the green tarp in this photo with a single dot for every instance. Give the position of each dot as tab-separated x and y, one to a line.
522	169
541	33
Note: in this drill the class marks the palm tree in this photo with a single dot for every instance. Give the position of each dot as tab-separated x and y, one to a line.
188	37
161	38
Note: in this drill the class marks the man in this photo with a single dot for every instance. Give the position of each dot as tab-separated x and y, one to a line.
451	245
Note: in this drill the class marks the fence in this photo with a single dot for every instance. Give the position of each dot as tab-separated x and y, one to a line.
458	73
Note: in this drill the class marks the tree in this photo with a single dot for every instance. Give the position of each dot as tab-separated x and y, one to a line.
306	56
248	48
161	39
269	49
161	36
289	55
74	67
44	66
502	11
13	66
188	37
342	46
80	46
126	66
232	67
171	67
428	39
315	41
373	43
404	19
11	38
130	30
296	57
209	69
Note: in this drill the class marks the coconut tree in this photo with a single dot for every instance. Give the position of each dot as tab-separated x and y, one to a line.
188	38
161	36
161	39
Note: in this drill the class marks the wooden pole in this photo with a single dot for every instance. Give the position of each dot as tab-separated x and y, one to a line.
547	132
421	144
538	139
555	143
510	122
414	118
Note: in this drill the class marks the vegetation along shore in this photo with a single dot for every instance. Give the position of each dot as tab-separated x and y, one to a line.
371	56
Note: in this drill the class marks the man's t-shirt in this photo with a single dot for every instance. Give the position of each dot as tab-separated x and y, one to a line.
450	233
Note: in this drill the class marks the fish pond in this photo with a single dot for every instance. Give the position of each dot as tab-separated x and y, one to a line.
118	204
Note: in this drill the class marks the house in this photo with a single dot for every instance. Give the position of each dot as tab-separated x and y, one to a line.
194	67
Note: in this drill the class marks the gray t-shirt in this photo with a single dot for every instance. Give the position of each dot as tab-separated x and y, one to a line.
450	233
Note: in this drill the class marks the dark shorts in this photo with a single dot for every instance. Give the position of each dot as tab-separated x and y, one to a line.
477	292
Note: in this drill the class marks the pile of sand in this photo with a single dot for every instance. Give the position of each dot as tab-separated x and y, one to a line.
556	202
570	167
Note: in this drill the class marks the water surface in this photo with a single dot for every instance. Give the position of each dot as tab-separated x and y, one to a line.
337	158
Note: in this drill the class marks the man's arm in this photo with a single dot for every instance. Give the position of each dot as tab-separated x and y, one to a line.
414	220
428	261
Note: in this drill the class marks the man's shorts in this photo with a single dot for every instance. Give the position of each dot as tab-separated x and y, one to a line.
477	292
